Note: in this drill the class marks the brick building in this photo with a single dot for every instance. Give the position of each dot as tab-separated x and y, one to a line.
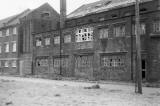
98	42
16	37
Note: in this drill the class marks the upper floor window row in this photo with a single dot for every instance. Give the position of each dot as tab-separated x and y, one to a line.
8	32
84	34
118	31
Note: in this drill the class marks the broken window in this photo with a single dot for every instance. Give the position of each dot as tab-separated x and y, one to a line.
85	34
42	62
112	61
63	62
38	42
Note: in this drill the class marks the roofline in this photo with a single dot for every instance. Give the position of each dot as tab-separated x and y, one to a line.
109	9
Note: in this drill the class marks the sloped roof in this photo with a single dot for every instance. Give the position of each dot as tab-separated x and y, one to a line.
13	19
101	6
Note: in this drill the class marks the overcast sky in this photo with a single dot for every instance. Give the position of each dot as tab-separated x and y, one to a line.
12	7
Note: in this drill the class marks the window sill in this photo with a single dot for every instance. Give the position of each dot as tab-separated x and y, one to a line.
157	34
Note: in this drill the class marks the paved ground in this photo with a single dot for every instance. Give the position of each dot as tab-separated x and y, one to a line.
39	92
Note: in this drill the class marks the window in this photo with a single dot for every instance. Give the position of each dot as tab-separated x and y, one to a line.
112	61
1	34
45	14
85	34
0	63
6	63
84	61
38	42
42	62
0	48
6	45
119	31
156	26
67	38
7	32
142	29
57	40
14	63
14	46
47	41
104	33
14	30
63	61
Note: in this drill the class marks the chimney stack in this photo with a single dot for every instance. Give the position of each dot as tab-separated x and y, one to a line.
62	13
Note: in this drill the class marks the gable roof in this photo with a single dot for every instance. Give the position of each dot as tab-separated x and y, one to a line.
12	20
101	6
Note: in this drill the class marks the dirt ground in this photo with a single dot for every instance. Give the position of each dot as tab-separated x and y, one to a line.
40	92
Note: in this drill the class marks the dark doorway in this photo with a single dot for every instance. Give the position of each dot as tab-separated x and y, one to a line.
143	69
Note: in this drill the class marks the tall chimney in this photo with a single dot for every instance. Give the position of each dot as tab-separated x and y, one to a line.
62	13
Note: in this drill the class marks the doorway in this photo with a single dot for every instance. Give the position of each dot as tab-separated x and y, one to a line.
143	69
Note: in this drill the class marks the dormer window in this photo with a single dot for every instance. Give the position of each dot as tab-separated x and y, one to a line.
45	14
114	16
143	10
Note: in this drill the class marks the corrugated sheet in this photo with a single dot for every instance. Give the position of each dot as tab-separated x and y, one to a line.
101	6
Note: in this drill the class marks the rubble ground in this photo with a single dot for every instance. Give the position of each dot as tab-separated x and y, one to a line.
16	91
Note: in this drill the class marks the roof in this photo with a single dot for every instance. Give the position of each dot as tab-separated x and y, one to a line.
101	6
12	20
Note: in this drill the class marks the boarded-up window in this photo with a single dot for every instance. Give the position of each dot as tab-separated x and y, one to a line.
47	41
119	30
142	29
67	38
84	61
6	46
64	62
57	40
84	34
104	33
156	26
113	61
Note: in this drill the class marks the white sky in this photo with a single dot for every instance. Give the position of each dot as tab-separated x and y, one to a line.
13	7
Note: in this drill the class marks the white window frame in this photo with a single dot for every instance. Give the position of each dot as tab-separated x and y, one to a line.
57	40
14	63
7	32
6	47
84	34
14	30
67	38
0	48
14	46
38	42
1	34
47	41
6	63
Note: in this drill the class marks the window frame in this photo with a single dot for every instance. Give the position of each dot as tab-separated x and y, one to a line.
6	46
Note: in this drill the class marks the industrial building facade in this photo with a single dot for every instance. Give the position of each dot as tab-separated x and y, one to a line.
98	43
